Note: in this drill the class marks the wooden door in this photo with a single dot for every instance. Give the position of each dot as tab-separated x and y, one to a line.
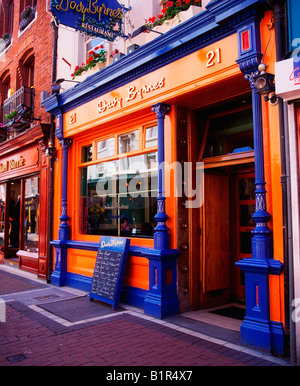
215	235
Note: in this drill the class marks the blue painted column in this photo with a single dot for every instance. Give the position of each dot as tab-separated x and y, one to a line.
161	300
257	330
59	274
161	236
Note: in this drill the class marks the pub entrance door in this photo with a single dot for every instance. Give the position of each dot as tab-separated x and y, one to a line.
226	150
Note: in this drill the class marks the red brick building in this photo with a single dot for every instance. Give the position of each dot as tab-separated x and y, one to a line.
26	74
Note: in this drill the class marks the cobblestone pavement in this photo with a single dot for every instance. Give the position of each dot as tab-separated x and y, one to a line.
42	325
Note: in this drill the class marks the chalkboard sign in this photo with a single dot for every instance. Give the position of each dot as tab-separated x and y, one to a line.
109	270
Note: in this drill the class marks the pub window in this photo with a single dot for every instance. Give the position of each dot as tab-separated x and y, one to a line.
27	3
129	142
105	148
118	197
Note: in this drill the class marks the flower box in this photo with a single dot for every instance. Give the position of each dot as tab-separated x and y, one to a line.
26	18
179	18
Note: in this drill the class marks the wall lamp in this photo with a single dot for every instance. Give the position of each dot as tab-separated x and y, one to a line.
50	150
144	28
57	84
264	84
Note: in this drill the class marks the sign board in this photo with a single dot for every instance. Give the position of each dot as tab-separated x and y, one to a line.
109	270
287	78
99	18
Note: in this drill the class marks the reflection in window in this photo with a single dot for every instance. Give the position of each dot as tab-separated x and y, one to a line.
128	142
229	134
105	148
151	136
32	212
87	153
118	198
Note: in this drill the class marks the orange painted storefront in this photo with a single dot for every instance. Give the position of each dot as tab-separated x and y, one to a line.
191	84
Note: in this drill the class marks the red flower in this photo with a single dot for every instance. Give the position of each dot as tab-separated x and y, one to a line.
152	19
187	1
160	16
101	46
164	10
169	4
178	3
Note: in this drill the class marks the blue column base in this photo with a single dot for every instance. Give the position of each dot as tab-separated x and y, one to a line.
161	307
59	278
267	336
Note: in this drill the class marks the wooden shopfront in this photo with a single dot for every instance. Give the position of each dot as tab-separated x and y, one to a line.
185	103
24	203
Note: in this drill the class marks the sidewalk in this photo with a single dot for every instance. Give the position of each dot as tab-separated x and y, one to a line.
49	326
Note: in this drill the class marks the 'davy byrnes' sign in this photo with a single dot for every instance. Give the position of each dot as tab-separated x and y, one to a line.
109	270
100	18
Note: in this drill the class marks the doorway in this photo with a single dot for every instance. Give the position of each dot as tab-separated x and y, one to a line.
226	150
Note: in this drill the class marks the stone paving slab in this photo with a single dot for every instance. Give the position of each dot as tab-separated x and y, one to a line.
33	336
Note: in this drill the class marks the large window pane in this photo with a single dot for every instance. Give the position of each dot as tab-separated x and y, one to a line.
32	212
119	197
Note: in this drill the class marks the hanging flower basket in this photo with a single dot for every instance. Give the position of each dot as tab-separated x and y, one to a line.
97	55
26	17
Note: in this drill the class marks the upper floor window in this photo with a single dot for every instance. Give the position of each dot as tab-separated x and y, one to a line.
27	12
6	20
26	70
4	86
93	44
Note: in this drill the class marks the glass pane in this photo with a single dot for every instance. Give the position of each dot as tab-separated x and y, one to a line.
32	214
119	197
230	133
2	213
128	142
246	212
105	148
151	136
247	188
245	242
86	153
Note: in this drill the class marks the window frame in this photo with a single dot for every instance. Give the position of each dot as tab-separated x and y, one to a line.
79	165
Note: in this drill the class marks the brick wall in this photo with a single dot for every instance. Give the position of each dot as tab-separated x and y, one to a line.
38	37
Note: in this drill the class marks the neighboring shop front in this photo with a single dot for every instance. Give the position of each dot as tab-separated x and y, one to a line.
190	106
24	203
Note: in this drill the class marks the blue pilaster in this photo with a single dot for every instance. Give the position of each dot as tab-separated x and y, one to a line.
59	274
257	330
161	300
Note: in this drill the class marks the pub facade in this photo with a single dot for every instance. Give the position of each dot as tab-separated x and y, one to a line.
172	147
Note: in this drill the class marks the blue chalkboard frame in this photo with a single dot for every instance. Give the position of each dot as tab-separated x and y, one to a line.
117	244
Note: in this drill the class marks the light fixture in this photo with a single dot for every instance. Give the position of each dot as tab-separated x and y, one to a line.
144	28
264	84
50	149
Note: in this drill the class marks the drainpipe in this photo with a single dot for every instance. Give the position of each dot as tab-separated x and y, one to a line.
51	160
281	36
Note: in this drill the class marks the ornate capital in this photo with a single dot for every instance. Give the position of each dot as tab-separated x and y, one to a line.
160	109
65	143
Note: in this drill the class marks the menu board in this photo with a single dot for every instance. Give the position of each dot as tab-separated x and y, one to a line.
109	270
